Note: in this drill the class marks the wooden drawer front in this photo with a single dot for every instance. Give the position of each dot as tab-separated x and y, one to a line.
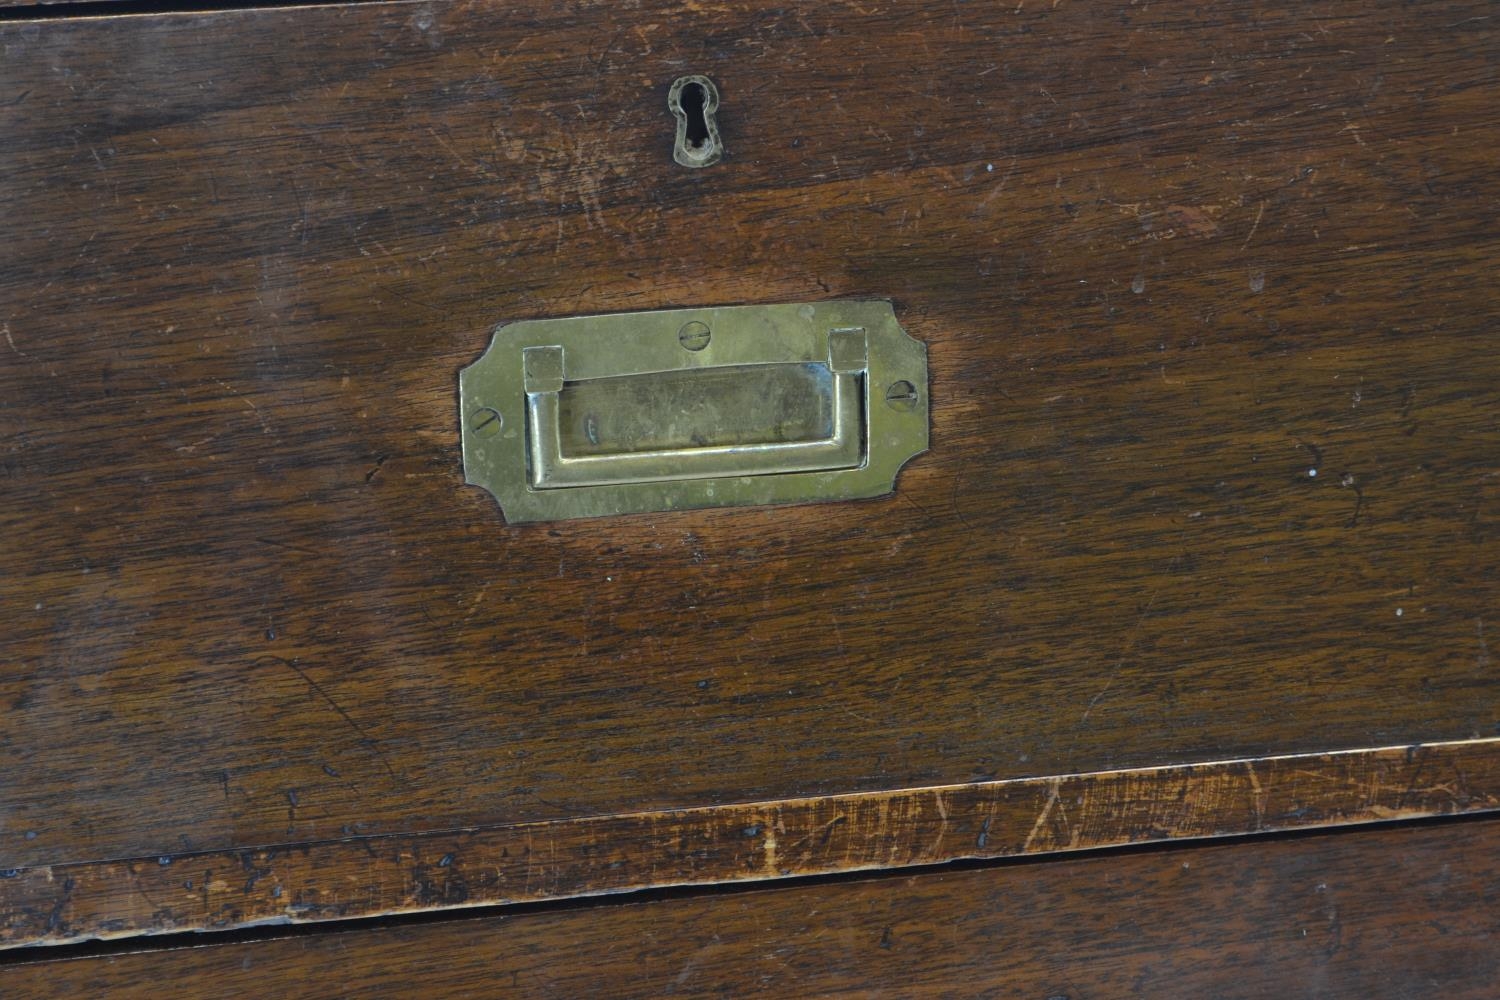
1209	304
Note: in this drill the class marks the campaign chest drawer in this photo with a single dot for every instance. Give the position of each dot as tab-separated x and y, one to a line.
1203	543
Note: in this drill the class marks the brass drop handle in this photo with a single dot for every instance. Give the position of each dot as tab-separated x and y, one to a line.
552	467
595	415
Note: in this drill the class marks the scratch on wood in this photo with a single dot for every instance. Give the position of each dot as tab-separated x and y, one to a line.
265	427
5	328
364	738
1257	795
942	810
1124	652
1255	225
1036	828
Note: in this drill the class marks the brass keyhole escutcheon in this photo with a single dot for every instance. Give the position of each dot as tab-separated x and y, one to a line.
694	101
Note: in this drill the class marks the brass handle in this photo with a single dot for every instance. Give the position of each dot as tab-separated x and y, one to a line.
551	468
597	415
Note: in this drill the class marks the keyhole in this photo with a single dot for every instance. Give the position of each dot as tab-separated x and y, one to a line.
692	106
694	100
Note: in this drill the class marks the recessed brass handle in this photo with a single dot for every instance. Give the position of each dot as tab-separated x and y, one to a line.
551	468
694	408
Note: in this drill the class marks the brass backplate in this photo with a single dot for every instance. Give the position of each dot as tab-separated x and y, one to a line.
689	408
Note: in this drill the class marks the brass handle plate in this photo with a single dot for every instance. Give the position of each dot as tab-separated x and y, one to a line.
689	408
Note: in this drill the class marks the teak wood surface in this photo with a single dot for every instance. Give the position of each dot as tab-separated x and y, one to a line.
1408	913
1209	298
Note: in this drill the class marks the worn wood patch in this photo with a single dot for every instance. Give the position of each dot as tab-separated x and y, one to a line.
372	876
1402	913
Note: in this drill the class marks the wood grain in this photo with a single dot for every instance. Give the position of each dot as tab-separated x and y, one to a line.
1405	912
379	876
1209	300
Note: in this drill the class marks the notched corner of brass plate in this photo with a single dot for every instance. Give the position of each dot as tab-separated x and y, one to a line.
691	408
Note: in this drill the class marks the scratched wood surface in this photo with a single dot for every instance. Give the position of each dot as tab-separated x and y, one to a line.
384	875
1208	295
1403	912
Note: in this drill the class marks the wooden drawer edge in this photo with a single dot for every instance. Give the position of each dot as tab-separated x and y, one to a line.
382	875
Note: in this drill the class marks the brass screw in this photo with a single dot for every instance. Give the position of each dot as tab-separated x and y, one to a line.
486	422
901	396
694	336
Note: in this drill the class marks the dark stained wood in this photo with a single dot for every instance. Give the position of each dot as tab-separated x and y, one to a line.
1209	299
376	876
1396	913
34	10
